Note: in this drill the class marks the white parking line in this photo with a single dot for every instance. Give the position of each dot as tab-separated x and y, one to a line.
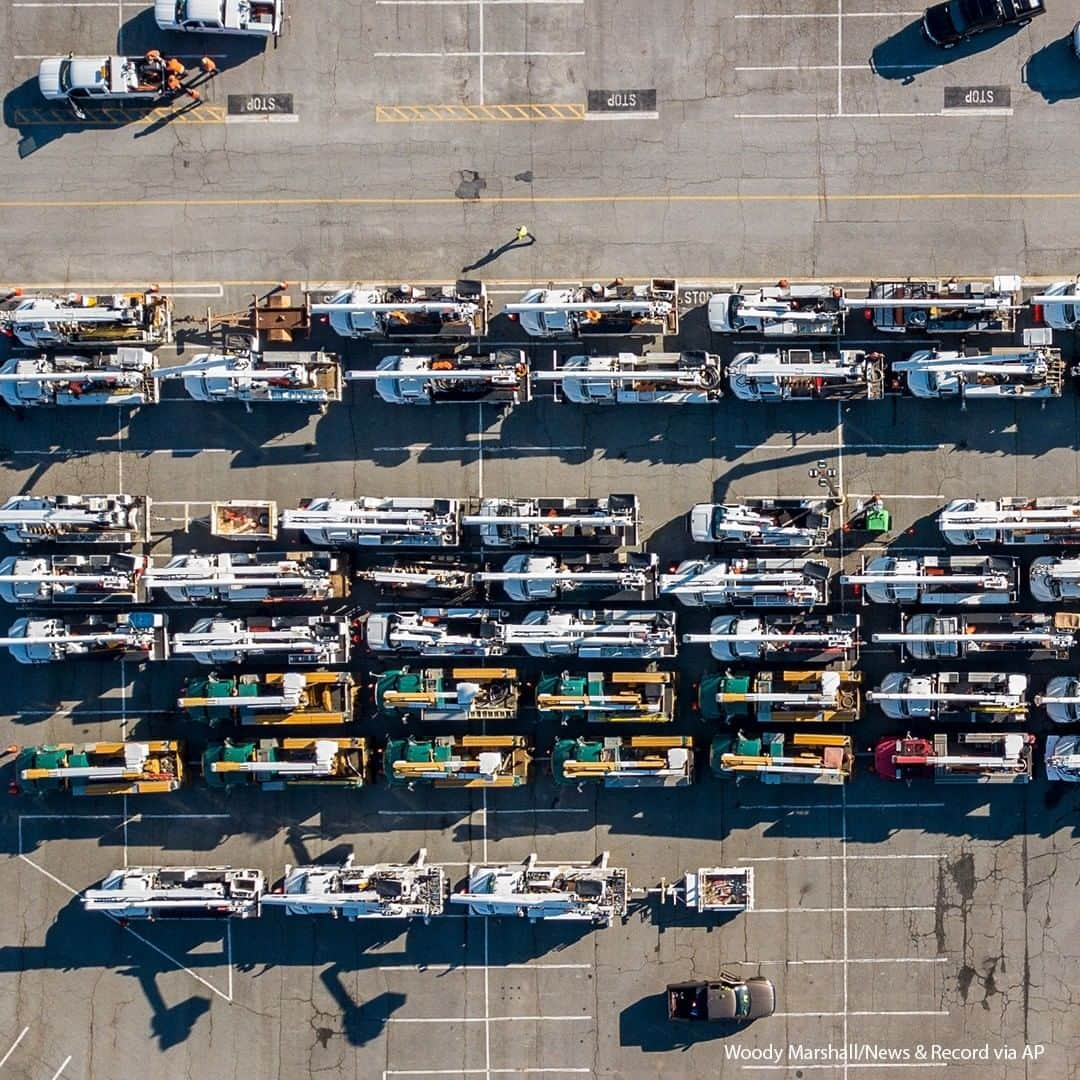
476	3
840	14
482	1019
858	1065
472	53
11	1050
63	1066
915	1012
863	960
832	911
850	806
833	67
830	858
481	967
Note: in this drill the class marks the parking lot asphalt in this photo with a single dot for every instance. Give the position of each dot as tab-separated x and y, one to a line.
807	142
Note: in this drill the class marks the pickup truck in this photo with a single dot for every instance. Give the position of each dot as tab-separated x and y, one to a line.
79	79
257	18
949	23
727	999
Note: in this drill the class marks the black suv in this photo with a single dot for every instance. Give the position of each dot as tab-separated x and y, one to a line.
953	21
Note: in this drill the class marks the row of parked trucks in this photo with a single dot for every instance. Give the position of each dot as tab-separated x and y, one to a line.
132	324
543	522
650	308
595	892
494	761
130	377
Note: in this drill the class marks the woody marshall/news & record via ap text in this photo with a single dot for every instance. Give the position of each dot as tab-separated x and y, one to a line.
938	1053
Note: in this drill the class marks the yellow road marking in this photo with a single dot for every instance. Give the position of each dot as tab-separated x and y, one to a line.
202	114
405	202
532	111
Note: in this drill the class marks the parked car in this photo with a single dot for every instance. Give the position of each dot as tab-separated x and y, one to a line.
728	999
949	23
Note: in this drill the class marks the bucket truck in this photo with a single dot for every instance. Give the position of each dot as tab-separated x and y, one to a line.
72	579
610	522
278	698
786	523
1060	309
47	322
414	890
75	519
499	378
435	631
646	697
942	307
1061	699
303	639
997	757
1012	373
275	764
453	761
178	892
448	695
410	578
1054	579
782	697
782	758
133	636
647	310
782	310
103	768
625	762
374	521
269	577
953	581
975	696
253	18
940	637
1062	759
820	639
805	375
261	378
1045	521
595	634
622	575
459	310
660	378
124	378
788	583
567	892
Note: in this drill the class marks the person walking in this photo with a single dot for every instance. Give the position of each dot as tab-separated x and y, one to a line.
208	67
175	67
524	234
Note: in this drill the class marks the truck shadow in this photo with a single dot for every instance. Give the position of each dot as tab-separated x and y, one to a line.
907	54
1054	71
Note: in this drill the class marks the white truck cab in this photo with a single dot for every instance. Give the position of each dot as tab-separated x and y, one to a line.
255	17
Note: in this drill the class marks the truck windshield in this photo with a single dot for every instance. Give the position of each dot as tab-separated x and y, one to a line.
65	75
742	1000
